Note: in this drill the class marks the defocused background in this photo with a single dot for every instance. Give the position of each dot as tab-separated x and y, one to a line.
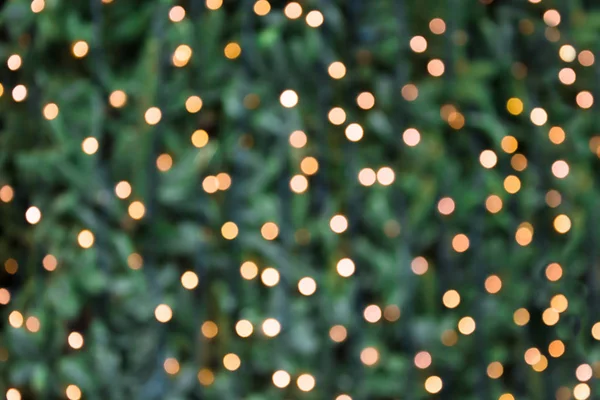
315	199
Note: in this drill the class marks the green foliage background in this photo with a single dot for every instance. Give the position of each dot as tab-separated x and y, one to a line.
489	55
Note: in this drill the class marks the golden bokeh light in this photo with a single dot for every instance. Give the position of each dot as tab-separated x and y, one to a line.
521	317
514	106
270	277
345	267
15	319
229	230
512	184
123	189
177	14
33	215
90	145
199	138
231	361
281	379
466	325
75	340
19	93
391	313
337	70
411	137
433	384
80	48
271	327
488	159
550	316
581	391
386	176
298	139
244	328
493	204
422	360
50	111
193	104
585	99
562	223
288	98
314	19
136	210
299	184
495	370
73	392
232	50
584	372
509	144
209	329
293	10
307	286
163	313
153	115
446	206
269	231
451	298
556	348
365	100
559	303
436	67
437	26
372	313
369	356
249	270
354	132
556	135
554	272
85	238
419	265
460	243
337	116
367	177
418	44
552	18
171	366
262	7
338	223
309	165
189	280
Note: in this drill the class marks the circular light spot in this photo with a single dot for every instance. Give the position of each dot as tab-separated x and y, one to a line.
460	243
367	177
19	93
338	333
189	280
488	159
299	184
512	184
229	230
372	313
345	267
270	277
354	132
307	286
288	98
298	139
562	223
585	99
514	106
436	67
437	26
75	340
33	215
231	362
269	231
232	50
209	329
293	11
85	238
137	210
271	327
123	189
419	265
248	270
337	70
369	356
80	49
244	328
386	176
50	111
163	313
556	348
418	44
365	100
538	116
314	19
153	115
422	359
281	379
433	384
338	223
466	325
451	299
495	370
177	14
411	137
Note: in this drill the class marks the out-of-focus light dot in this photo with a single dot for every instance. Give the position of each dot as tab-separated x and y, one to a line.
117	99
553	272
193	104
541	365
418	44
338	223
232	50
433	384
596	331
37	6
553	198
552	18
581	391
262	7
229	230
567	76
410	92
493	204
586	58
524	234
538	116
314	19
466	325
269	231
369	356
14	62
153	115
367	176
391	313
6	193
73	392
567	53
206	376
338	333
449	337
50	111
514	106
210	184
270	277
248	270
135	261
354	132
90	145
281	379
337	116
512	184
123	189
75	340
386	176
299	184
446	206
451	298
556	135
137	210
550	316
437	26
345	267
585	99
309	165
4	296
200	138
488	159
506	396
189	280
584	372
244	328
164	162
422	360
177	14
182	55
372	313
214	4
337	70
171	366
343	397
521	317
365	100
231	362
411	137
556	348
562	223
298	139
495	370
436	67
293	10
11	266
15	319
518	162
559	303
419	265
532	356
209	329
456	120
563	393
307	286
33	215
85	238
271	327
19	93
224	180
509	144
460	243
80	49
288	98
163	313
